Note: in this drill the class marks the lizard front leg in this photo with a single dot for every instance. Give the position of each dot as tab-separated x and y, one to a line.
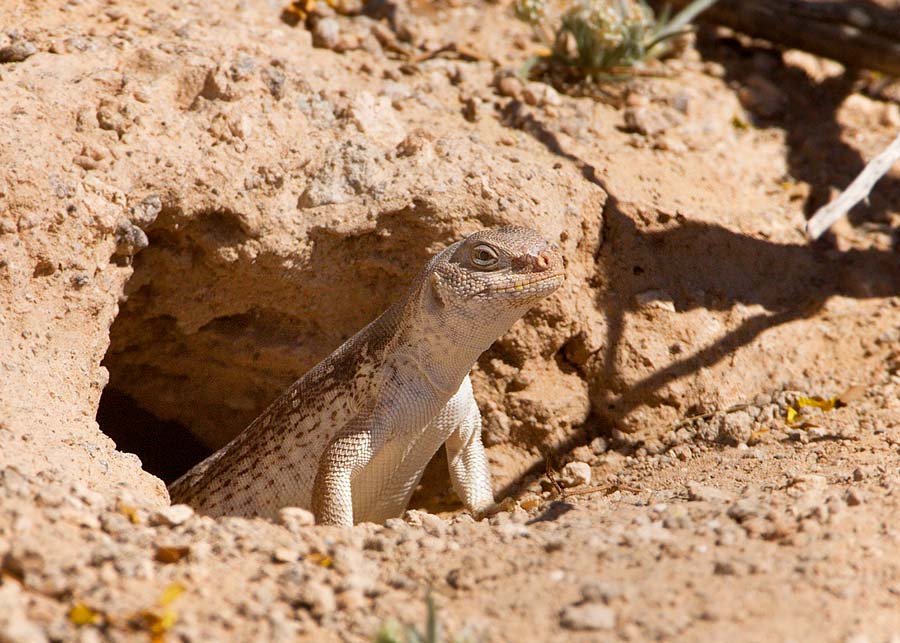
466	459
332	497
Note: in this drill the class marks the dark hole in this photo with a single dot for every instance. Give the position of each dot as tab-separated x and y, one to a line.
166	448
637	270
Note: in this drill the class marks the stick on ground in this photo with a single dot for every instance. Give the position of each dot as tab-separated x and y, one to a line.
825	217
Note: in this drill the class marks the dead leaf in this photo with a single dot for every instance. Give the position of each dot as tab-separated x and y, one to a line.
171	592
129	512
173	554
817	402
320	559
81	614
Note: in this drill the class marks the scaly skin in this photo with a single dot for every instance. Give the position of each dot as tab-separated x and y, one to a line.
351	438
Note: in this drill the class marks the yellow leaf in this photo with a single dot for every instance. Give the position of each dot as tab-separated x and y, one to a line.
81	614
129	512
543	52
162	621
320	559
817	402
791	415
170	593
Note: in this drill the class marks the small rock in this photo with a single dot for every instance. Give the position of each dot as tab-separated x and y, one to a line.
658	299
744	509
724	568
540	94
590	616
704	493
460	578
599	445
294	519
735	428
583	453
575	474
285	555
145	212
130	239
172	516
434	525
472	109
319	598
649	121
510	86
598	591
808	481
327	33
17	52
855	497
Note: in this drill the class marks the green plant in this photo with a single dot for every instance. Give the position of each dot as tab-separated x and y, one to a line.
599	37
393	632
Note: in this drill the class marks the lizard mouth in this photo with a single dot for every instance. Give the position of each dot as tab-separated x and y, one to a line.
532	284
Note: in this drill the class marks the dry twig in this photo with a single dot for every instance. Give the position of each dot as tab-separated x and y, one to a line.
825	217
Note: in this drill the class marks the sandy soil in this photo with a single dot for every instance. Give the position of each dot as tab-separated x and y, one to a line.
198	201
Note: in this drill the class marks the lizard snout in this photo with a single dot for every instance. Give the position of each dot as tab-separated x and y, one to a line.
542	260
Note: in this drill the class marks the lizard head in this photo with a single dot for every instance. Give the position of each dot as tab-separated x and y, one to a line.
493	277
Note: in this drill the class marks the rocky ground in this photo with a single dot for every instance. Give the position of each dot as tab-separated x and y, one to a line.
696	438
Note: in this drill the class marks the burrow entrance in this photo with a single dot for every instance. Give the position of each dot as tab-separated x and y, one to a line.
166	448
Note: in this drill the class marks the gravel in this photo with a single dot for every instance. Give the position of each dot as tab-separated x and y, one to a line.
589	616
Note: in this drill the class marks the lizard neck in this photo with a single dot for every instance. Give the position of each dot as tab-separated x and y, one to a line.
425	345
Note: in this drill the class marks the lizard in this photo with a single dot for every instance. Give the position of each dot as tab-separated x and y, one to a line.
350	439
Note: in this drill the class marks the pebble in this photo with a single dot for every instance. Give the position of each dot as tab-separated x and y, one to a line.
598	591
17	52
704	493
599	445
294	519
575	474
649	121
172	516
590	616
130	239
724	568
145	212
583	453
744	509
285	555
510	86
855	497
540	94
319	598
434	525
327	33
735	428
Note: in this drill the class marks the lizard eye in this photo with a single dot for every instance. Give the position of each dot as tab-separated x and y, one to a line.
484	256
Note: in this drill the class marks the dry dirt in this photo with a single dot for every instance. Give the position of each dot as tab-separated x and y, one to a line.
198	201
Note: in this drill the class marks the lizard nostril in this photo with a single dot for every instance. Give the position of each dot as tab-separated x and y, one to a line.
542	261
